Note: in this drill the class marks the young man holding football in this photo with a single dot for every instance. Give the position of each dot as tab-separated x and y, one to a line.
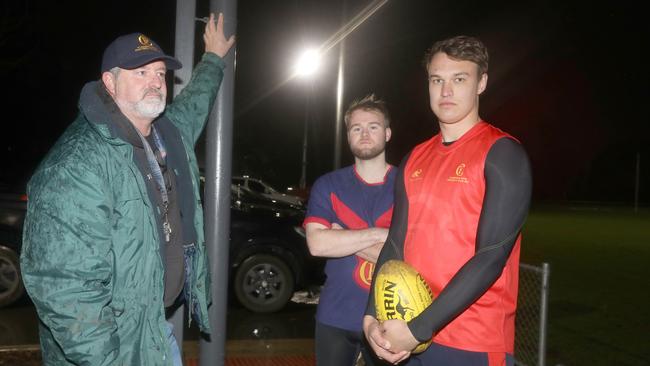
461	199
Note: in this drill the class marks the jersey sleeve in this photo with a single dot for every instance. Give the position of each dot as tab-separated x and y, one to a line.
394	245
508	183
319	207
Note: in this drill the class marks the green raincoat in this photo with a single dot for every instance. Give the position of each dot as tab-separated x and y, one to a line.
91	255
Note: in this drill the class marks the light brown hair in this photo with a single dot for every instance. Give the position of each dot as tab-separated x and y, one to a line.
461	48
368	103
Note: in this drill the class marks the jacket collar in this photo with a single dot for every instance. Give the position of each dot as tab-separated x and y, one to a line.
104	115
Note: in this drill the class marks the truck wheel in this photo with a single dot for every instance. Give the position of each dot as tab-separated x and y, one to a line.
263	283
11	284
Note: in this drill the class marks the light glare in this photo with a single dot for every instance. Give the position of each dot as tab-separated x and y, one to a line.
308	63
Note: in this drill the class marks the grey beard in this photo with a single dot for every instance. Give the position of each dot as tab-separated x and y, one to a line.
149	108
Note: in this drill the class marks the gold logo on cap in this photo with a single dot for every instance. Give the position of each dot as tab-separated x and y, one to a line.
145	44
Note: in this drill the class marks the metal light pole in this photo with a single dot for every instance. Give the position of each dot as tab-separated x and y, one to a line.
636	182
339	98
303	172
339	108
184	52
218	171
305	137
306	66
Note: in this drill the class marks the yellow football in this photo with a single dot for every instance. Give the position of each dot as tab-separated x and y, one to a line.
401	293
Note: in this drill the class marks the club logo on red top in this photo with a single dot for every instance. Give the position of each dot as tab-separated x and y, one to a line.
460	169
458	178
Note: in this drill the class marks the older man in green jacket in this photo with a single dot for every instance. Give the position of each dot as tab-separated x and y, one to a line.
113	236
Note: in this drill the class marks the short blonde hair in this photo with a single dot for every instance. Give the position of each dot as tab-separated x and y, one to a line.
368	103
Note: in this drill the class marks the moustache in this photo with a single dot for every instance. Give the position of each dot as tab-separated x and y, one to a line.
157	92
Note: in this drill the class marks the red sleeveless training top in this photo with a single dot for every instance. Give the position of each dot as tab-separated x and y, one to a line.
445	186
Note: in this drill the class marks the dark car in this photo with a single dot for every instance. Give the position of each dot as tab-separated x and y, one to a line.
269	258
12	213
269	255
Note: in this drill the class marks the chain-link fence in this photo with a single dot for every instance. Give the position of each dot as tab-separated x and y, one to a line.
530	325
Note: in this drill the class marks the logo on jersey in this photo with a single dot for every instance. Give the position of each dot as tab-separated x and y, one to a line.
417	174
460	170
363	273
458	177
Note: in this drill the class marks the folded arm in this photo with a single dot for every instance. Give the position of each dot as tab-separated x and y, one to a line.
337	242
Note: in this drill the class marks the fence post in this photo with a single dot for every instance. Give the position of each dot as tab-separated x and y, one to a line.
543	315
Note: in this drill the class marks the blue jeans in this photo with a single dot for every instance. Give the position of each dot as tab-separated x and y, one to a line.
175	352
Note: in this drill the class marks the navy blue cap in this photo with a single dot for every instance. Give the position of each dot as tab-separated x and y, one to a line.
134	50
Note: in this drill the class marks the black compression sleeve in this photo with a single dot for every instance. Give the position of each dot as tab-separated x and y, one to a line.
394	245
508	185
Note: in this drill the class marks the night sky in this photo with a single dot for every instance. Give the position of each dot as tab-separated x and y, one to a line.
567	78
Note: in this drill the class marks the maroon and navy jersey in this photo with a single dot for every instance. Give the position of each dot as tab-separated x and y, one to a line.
343	197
